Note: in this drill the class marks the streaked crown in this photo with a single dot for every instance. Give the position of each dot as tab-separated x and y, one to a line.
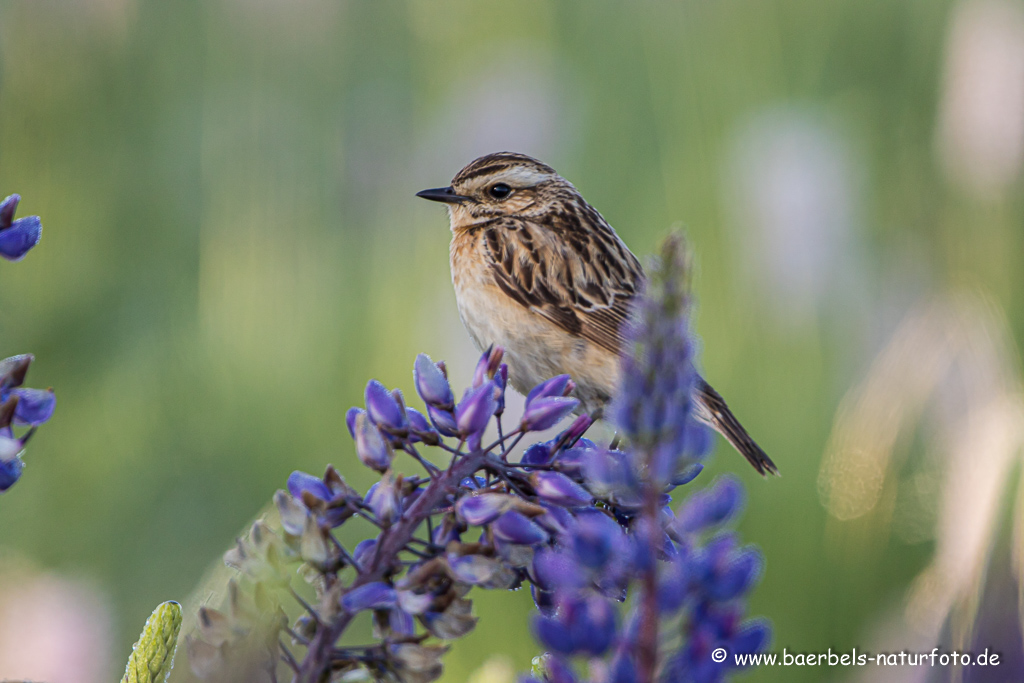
503	184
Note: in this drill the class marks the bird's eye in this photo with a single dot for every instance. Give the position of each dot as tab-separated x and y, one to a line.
500	190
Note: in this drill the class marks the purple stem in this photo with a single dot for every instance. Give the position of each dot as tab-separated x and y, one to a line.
315	666
647	637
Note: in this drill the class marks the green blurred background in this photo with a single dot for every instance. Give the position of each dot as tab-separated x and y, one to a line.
232	247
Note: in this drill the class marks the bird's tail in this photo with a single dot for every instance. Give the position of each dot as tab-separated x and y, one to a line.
711	408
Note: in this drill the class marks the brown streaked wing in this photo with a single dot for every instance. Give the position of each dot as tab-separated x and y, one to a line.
582	280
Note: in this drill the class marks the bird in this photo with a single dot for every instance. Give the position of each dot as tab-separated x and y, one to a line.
538	271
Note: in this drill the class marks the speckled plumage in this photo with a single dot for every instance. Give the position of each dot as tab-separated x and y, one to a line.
539	272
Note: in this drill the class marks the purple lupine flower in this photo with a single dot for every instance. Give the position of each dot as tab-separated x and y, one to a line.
17	237
35	406
299	482
11	463
384	409
384	500
421	428
475	410
375	595
654	407
444	420
500	385
580	625
372	448
538	453
401	622
555	487
432	384
19	406
350	419
559	386
546	412
488	365
483	509
712	506
556	569
516	528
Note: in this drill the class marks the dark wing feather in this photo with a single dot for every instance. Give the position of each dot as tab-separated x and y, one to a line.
583	280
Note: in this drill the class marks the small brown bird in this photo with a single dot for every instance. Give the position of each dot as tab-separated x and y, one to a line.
538	271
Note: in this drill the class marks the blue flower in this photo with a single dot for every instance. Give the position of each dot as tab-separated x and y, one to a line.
17	237
432	384
375	595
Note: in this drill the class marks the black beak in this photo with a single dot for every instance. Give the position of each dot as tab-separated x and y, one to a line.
442	194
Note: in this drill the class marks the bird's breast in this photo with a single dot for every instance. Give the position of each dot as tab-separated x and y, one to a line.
536	349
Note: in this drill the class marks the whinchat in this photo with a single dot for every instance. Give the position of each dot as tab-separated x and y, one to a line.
538	271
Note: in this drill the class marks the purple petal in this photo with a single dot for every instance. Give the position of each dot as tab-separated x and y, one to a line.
472	569
376	595
558	671
712	506
364	551
475	409
500	384
7	209
698	438
553	570
483	509
752	637
514	527
473	483
35	406
542	413
555	487
17	240
444	420
595	538
382	407
10	470
623	670
554	387
445	534
593	625
738	576
401	622
687	474
371	447
431	384
578	428
300	481
553	635
382	498
421	428
488	365
672	586
350	419
572	461
537	454
557	520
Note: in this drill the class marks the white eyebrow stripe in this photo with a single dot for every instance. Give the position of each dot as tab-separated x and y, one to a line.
523	176
516	176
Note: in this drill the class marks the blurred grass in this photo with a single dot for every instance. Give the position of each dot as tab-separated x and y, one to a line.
231	248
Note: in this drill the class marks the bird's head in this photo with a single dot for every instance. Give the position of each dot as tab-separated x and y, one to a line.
502	184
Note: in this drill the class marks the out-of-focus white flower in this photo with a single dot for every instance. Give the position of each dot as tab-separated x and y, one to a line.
791	191
981	115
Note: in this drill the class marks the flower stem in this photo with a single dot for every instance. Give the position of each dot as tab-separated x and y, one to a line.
315	666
